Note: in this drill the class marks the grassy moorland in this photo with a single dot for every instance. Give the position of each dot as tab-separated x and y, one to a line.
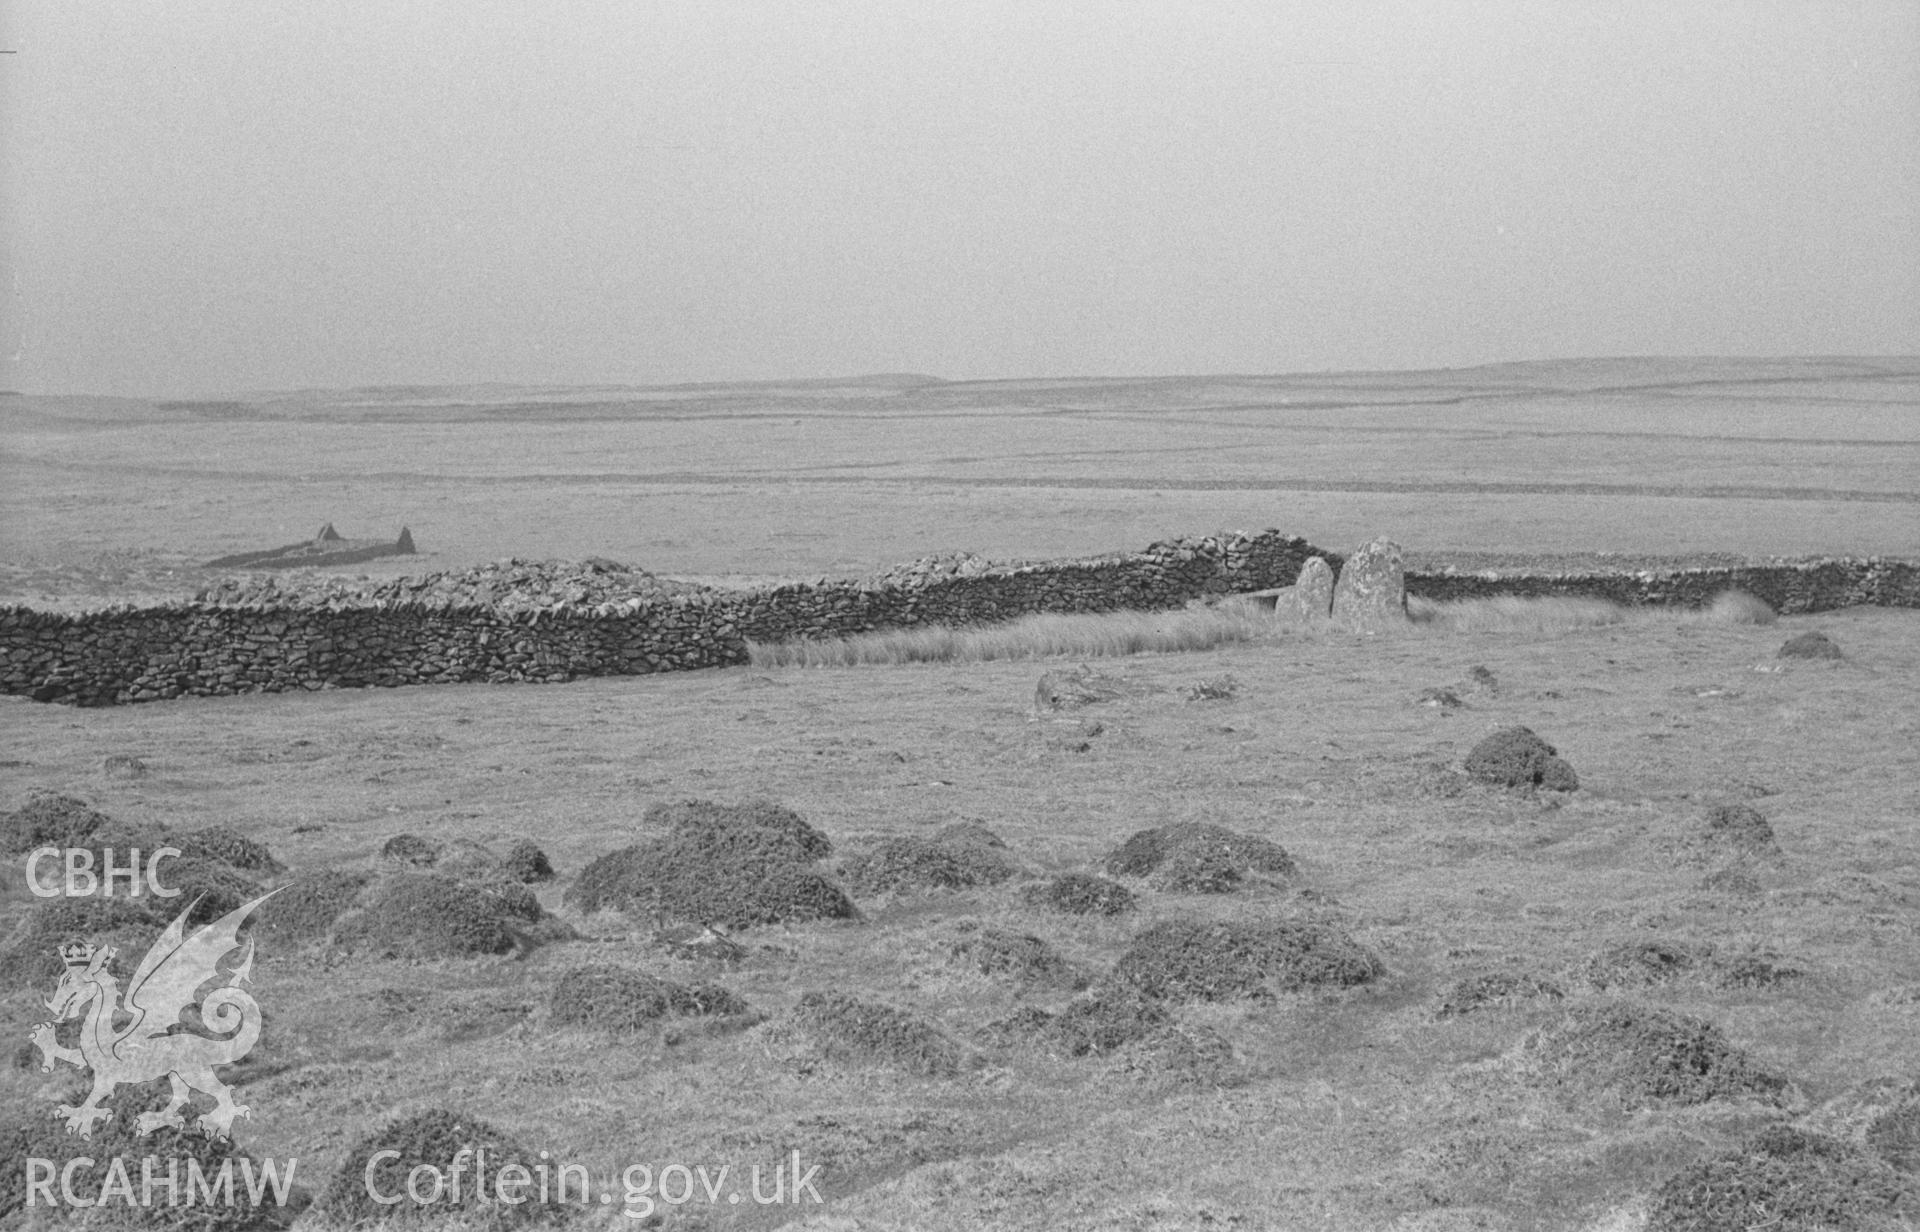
1788	457
1415	1099
1344	1108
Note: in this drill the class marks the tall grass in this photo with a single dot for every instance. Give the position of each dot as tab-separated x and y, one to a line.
1107	634
1514	614
1114	634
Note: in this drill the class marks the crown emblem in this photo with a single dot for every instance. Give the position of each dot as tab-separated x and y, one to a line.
77	953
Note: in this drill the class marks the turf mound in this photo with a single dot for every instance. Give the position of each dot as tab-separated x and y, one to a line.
411	849
1178	1055
1644	1057
1197	858
836	1026
947	861
526	863
30	956
756	830
1515	757
1810	646
1895	1135
226	847
49	820
617	999
1790	1180
1081	894
305	911
119	1151
1189	960
434	1138
1741	826
123	766
677	882
1097	1024
425	915
1019	957
1496	990
1638	964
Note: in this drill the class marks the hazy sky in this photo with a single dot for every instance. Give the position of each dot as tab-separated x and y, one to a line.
248	194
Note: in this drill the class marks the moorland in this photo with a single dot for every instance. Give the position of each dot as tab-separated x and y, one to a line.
1529	1008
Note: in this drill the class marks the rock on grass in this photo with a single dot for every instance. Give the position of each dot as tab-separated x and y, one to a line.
613	998
1645	1057
435	1137
836	1026
1515	757
1188	960
1197	858
1080	894
1788	1180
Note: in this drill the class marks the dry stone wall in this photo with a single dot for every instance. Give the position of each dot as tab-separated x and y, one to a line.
133	654
198	649
1791	587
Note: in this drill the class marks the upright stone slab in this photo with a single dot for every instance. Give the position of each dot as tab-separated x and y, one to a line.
1372	590
1311	596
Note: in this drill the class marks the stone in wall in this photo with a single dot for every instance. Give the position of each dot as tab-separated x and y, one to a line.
1371	592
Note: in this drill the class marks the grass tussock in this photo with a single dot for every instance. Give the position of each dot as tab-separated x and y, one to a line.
1515	614
1080	635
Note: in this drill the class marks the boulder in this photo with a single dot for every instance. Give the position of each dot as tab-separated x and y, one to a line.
1371	592
1311	595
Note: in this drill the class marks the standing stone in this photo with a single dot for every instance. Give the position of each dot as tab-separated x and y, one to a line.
1372	590
1311	596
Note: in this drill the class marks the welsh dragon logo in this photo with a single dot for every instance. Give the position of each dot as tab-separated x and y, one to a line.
146	1045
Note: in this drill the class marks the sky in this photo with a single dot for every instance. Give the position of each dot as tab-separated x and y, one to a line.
207	196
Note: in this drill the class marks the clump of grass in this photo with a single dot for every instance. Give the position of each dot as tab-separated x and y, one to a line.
435	1137
1645	1057
1019	957
735	865
1103	1021
1810	646
49	820
1214	689
1515	757
425	915
1185	960
414	849
305	911
1742	826
958	858
1049	635
1515	614
613	998
1198	857
1494	990
1081	894
838	1026
1637	964
1738	607
1788	1179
